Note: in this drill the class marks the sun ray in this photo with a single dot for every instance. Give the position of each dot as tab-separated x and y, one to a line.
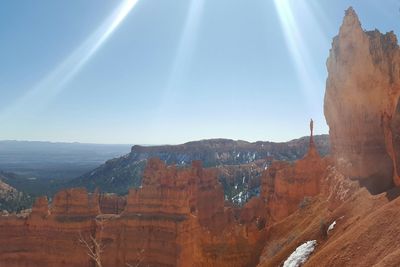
56	80
185	48
300	52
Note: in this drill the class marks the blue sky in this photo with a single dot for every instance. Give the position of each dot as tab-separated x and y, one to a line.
169	71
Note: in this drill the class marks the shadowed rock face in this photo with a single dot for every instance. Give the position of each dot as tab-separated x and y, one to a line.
361	100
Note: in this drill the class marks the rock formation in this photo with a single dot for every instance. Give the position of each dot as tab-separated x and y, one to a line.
362	111
111	203
177	218
75	202
286	185
361	104
50	236
118	175
40	208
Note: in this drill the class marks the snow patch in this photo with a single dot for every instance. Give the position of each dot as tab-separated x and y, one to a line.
301	254
240	198
331	227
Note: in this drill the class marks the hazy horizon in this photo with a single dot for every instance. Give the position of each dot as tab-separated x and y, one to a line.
155	144
151	72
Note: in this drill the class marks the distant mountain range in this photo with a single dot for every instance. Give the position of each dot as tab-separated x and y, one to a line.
47	160
240	163
38	168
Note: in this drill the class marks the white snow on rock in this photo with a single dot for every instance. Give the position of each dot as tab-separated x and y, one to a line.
301	254
330	228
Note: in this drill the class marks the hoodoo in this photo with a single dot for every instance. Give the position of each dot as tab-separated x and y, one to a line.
348	225
361	104
285	185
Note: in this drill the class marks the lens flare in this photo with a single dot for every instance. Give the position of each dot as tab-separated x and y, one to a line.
185	48
57	80
311	86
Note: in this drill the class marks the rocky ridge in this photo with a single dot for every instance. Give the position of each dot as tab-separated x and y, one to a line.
240	164
12	200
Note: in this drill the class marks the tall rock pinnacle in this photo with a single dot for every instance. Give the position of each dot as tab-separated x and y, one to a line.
351	19
312	150
363	84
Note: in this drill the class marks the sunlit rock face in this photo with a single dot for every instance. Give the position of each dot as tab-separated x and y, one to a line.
40	208
361	104
286	185
75	203
49	236
111	203
177	218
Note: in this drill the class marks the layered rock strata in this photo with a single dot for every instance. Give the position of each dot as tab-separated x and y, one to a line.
177	218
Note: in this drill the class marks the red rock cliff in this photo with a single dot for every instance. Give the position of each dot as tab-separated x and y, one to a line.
361	104
177	218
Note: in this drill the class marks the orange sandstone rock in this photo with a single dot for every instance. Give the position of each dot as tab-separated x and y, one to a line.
75	202
177	218
285	185
361	104
40	208
111	203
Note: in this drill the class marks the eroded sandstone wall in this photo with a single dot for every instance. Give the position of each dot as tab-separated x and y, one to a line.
50	237
177	218
287	186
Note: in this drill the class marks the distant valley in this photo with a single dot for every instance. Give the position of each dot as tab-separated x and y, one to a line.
43	168
47	160
38	168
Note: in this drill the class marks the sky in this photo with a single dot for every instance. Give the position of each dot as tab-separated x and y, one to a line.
168	72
